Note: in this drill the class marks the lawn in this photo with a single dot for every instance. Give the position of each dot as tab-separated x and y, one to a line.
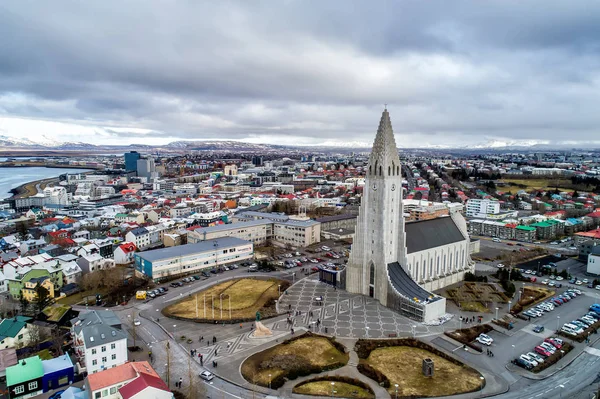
296	357
402	365
45	354
474	307
246	296
340	389
537	184
56	312
79	297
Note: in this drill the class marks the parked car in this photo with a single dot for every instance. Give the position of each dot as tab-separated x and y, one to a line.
536	357
136	322
523	363
549	347
529	359
542	351
556	342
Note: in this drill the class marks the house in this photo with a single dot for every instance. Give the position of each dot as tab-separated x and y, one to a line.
16	276
71	272
98	341
29	291
124	253
32	245
81	234
24	379
95	262
14	332
130	380
58	372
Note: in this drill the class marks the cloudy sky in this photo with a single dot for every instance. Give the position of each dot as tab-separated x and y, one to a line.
300	72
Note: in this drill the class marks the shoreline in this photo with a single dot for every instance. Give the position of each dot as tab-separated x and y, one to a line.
29	189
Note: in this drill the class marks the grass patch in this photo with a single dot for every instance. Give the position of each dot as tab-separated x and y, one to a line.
79	297
474	296
56	312
474	307
246	296
466	336
539	184
296	357
341	389
44	354
400	362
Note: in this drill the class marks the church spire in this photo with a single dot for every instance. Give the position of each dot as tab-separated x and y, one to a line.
384	158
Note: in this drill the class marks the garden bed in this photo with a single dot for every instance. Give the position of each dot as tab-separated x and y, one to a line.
399	361
344	387
466	336
296	357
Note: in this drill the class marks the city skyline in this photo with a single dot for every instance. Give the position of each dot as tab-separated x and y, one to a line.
300	72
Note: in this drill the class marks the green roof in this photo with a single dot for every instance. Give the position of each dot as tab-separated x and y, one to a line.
541	224
26	370
11	327
526	228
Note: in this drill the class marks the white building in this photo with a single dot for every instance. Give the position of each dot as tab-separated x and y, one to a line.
128	381
593	262
98	341
480	208
56	195
398	264
192	258
124	253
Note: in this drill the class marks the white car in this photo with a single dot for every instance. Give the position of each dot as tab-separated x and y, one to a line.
551	284
549	347
578	282
207	375
585	281
536	357
559	278
484	339
530	360
136	322
500	265
545	281
573	248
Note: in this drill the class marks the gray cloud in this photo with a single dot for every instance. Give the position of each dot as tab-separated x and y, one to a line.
305	70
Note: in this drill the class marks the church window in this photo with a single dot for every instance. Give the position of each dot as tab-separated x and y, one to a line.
380	170
398	170
372	276
437	268
450	263
456	260
369	169
375	170
444	264
389	170
393	168
430	267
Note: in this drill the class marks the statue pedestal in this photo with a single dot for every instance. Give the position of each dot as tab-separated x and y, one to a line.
261	331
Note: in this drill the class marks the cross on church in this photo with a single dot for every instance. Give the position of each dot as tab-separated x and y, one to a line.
384	106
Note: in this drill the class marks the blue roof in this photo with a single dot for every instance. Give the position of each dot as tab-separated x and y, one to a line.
57	364
574	221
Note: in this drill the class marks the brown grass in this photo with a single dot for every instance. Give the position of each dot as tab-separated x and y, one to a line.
402	366
290	359
341	389
248	295
539	184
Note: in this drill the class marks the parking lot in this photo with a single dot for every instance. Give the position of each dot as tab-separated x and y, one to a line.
509	345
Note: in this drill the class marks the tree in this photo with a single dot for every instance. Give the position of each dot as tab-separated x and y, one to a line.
37	335
24	303
42	298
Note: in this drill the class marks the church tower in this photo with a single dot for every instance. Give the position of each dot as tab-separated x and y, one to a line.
379	238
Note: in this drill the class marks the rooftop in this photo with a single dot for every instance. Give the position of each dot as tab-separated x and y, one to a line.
190	249
26	370
119	374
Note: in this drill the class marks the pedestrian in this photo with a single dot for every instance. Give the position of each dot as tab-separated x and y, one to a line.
214	339
292	331
207	343
180	382
289	307
216	352
201	362
228	345
241	326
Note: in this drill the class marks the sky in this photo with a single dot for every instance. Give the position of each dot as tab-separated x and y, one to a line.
300	72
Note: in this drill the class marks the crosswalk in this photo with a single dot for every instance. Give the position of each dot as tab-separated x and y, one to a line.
592	351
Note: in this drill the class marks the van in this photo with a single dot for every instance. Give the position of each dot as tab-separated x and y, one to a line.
253	268
496	239
140	295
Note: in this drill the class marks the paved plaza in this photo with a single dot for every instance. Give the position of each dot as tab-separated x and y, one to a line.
347	315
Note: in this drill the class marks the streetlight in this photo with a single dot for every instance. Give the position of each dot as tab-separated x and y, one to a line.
367	328
497	312
396	385
481	391
221	298
332	385
279	289
174	325
269	381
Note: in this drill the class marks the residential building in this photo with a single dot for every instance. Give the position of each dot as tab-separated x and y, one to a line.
94	262
14	332
480	208
29	291
58	372
297	233
8	357
124	253
259	232
98	341
192	258
145	238
127	381
24	379
549	229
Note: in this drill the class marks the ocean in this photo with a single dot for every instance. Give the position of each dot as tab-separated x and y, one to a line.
13	177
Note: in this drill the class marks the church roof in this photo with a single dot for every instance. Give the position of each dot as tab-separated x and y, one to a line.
384	151
426	234
405	285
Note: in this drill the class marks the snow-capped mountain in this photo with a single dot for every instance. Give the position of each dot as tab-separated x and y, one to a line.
499	143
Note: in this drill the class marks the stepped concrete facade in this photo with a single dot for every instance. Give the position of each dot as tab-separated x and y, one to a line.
399	263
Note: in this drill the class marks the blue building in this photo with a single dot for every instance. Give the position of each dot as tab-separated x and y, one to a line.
131	159
58	372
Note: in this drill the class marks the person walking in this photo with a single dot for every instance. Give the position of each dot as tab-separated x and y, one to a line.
180	382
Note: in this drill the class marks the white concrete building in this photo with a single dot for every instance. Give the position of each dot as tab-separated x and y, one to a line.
56	195
386	259
480	208
98	341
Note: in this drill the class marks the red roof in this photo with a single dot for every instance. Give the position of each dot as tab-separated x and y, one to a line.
119	374
142	382
594	214
127	247
590	234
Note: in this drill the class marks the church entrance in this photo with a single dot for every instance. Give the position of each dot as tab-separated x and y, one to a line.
371	291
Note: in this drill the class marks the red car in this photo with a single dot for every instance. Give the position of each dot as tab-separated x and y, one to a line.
557	343
542	351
